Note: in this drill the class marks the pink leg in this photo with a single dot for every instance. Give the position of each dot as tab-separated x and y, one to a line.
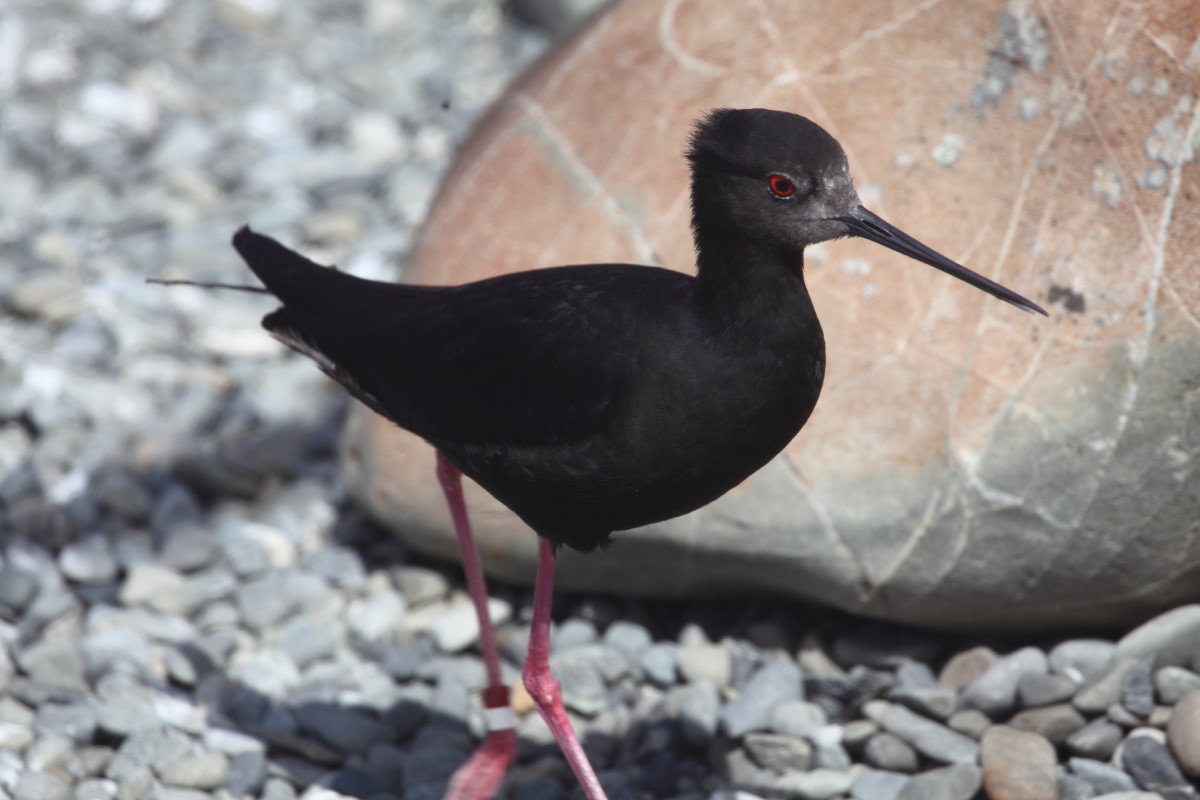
480	777
543	687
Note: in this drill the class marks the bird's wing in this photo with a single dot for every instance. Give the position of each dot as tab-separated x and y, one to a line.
526	358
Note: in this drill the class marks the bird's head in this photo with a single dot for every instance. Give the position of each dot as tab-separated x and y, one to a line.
780	181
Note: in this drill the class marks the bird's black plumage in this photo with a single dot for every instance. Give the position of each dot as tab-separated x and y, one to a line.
597	398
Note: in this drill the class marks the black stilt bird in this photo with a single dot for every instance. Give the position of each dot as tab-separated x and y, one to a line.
592	399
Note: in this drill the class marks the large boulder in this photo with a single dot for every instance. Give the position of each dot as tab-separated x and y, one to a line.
968	464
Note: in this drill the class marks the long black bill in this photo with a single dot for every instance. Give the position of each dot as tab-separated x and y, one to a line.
869	226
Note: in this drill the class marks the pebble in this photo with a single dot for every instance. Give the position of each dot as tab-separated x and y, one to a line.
1183	733
778	752
1044	689
1171	684
874	784
1056	723
204	770
995	691
90	560
699	705
818	784
1151	764
1017	765
704	661
776	682
1172	638
628	637
1137	689
954	782
658	663
965	667
929	738
37	785
1097	740
970	722
1104	688
798	718
1104	778
458	628
888	752
1087	658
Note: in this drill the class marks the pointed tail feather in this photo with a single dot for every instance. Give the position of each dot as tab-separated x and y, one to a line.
298	282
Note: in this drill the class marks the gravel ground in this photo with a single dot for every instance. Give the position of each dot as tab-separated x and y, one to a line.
190	608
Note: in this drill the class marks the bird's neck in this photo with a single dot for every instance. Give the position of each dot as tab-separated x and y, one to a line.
746	291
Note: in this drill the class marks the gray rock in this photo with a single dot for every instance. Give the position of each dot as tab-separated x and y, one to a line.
265	601
372	618
798	718
818	784
583	687
995	691
1097	740
458	628
704	661
699	704
339	566
55	665
77	721
346	729
1087	657
1056	723
306	640
969	723
658	663
189	547
1137	690
628	637
1172	683
1044	689
574	632
203	770
955	782
420	585
1172	638
106	650
90	560
778	752
775	683
147	748
17	588
828	752
1104	688
929	738
37	785
937	701
874	784
885	751
915	674
1072	787
1152	766
1104	778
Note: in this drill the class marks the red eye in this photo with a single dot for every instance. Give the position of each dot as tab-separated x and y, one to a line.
781	185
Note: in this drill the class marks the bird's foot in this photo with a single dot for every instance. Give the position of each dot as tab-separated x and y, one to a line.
480	777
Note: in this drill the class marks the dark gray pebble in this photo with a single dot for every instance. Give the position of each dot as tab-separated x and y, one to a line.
1043	689
955	782
1104	778
886	751
777	682
1097	740
346	729
1151	764
778	752
1137	690
874	784
1055	723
